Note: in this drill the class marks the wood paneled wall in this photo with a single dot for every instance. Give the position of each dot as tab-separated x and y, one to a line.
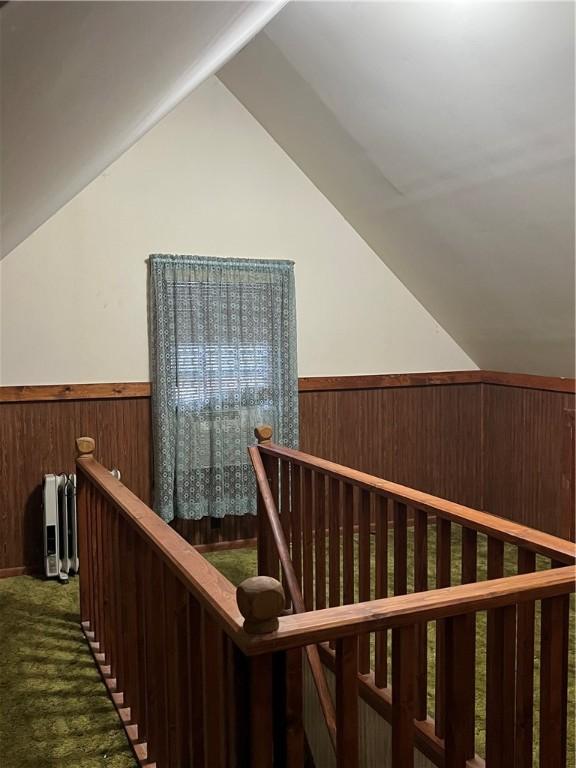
38	438
526	453
486	441
426	437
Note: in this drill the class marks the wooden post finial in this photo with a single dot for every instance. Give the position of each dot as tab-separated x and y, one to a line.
260	600
85	446
263	434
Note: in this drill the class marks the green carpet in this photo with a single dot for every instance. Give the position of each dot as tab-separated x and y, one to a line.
237	565
54	709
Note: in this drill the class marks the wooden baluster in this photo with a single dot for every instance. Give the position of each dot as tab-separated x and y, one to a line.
87	561
114	608
347	740
348	543
138	580
294	709
400	548
364	575
261	601
525	669
307	539
213	692
285	515
495	558
456	673
334	515
500	687
82	517
84	449
443	579
87	568
421	585
117	598
178	694
296	520
93	532
403	677
494	638
104	555
267	559
100	586
129	606
238	704
115	616
171	716
554	680
381	588
320	539
196	667
468	652
271	465
261	713
155	659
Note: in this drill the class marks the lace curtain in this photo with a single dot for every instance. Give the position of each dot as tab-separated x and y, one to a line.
223	360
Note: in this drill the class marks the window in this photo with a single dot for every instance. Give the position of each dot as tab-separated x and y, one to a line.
223	360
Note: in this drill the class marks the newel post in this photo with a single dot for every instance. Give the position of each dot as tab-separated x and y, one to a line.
85	446
261	601
85	449
263	434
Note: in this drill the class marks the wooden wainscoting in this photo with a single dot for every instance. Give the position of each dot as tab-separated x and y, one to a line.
426	437
488	440
37	437
526	451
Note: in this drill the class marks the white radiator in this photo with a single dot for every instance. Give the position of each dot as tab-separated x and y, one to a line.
61	526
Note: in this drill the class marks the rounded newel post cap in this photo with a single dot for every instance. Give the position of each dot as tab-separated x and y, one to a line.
260	600
85	446
263	433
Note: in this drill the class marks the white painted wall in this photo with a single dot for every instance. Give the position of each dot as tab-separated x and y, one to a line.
444	133
208	180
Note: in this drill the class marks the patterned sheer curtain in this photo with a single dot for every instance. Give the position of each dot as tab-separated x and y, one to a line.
223	360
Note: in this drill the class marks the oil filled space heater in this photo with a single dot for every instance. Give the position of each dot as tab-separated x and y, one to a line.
61	526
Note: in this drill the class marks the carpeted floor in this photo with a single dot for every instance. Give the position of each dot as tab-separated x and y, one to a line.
54	709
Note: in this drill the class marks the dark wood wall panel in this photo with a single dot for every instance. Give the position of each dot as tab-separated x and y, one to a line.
525	458
425	437
502	448
37	438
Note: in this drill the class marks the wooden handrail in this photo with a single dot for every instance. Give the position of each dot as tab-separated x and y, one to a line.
204	581
316	666
299	630
483	522
418	607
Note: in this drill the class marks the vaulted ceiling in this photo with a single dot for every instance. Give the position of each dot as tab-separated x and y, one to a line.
81	82
444	132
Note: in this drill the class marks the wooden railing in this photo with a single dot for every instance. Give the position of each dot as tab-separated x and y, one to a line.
354	538
177	645
203	675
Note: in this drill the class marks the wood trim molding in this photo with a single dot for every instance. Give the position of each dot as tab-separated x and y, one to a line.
40	392
383	381
529	381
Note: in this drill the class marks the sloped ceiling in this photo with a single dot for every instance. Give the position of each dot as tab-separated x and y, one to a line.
444	132
83	81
